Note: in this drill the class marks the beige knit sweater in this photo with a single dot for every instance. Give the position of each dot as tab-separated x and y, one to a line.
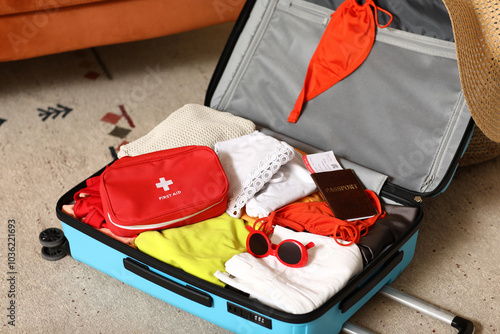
192	124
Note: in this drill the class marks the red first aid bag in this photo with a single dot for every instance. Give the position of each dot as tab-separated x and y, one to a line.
163	189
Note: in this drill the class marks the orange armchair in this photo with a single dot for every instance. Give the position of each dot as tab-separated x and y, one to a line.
31	28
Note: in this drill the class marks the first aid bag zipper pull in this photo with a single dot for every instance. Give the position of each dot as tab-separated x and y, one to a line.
344	46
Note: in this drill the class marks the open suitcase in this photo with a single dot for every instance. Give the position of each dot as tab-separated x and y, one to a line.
400	121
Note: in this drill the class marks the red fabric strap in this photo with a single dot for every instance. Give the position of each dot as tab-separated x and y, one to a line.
318	218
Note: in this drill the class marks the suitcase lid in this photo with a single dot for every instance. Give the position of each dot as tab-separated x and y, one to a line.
402	113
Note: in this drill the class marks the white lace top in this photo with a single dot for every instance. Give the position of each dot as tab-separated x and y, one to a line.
292	182
249	162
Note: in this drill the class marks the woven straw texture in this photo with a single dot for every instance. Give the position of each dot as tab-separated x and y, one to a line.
476	26
480	149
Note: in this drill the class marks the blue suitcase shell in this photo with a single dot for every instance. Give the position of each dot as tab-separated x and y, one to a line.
221	306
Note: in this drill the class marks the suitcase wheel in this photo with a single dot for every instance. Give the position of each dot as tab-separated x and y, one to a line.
54	244
53	254
51	237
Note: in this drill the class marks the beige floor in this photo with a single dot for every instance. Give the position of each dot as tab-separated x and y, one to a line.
456	265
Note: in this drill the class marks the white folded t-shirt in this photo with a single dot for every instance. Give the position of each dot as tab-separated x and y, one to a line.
295	290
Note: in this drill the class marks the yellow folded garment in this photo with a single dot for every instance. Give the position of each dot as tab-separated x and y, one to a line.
199	249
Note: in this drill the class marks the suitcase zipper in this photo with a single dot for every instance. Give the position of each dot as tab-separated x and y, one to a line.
163	224
307	10
417	43
444	145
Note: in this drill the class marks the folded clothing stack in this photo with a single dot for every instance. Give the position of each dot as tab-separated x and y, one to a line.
295	290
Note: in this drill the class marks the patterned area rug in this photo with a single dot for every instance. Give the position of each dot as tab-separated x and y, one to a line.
63	117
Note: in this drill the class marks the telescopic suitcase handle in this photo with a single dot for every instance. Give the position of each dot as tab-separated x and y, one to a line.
463	326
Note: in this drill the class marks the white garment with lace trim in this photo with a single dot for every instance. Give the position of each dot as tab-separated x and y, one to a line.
249	162
292	182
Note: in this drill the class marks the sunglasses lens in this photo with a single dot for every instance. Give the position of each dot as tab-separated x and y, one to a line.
258	244
289	253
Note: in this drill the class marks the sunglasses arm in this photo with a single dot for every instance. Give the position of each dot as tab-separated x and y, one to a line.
310	245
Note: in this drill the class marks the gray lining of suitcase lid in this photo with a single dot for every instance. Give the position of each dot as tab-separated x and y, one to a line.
405	102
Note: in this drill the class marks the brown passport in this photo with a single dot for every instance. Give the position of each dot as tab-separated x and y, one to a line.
345	194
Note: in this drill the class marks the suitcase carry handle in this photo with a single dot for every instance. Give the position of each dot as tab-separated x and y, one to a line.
464	326
182	290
